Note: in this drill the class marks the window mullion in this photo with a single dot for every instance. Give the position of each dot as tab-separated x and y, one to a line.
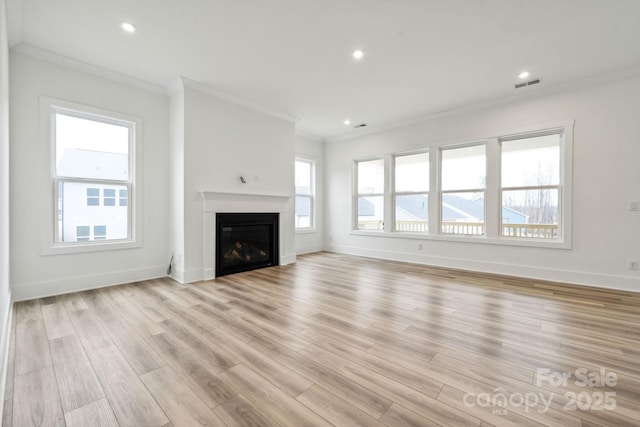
493	206
389	203
435	199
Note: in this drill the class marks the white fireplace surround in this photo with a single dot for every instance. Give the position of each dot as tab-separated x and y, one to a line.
214	202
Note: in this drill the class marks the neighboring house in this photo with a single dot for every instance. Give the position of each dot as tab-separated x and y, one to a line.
91	211
454	209
412	208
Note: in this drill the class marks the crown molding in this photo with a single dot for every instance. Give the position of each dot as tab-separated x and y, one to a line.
522	95
208	90
54	58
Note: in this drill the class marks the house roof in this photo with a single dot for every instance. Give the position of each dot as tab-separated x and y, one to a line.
77	163
454	208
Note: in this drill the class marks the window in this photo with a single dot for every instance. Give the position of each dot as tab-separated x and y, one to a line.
99	232
304	193
109	197
83	233
93	197
411	197
123	197
92	165
370	194
513	190
463	190
530	191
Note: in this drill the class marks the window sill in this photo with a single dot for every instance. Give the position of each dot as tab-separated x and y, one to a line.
556	244
78	248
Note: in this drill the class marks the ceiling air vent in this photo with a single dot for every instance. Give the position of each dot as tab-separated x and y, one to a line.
529	83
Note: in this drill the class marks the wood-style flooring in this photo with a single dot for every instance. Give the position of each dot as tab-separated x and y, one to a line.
332	340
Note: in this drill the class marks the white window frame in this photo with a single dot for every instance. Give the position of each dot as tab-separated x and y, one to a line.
492	191
442	192
311	196
49	244
557	187
386	225
396	193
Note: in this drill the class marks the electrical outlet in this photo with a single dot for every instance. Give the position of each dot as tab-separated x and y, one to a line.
633	264
634	206
419	246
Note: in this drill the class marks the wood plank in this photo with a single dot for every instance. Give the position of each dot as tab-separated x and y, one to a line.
90	330
278	405
334	409
393	390
200	345
36	399
193	370
336	382
138	321
95	414
27	311
135	349
241	412
179	402
130	400
73	302
77	381
32	347
398	416
56	320
281	375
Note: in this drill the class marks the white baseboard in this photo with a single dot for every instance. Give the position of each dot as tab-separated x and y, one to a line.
288	259
623	283
309	249
5	340
27	291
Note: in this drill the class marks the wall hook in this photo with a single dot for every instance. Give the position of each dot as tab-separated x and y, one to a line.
242	180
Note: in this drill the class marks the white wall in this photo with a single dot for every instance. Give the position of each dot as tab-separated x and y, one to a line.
223	140
606	178
176	181
33	274
312	240
5	292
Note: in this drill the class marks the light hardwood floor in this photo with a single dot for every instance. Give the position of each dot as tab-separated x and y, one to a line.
331	340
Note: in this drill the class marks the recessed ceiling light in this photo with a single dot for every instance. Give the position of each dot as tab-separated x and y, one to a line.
523	75
347	122
128	27
358	54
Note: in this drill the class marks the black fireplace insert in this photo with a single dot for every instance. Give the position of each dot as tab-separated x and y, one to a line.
246	241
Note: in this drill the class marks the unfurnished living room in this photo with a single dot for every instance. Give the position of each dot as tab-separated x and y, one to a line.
320	213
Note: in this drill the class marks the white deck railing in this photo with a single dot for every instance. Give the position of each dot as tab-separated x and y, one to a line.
527	231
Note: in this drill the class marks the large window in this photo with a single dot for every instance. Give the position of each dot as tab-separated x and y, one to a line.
530	191
411	196
370	194
304	194
463	190
92	176
513	189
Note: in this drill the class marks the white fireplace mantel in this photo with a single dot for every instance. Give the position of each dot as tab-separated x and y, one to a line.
215	201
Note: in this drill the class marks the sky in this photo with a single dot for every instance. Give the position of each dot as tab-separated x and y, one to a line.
78	133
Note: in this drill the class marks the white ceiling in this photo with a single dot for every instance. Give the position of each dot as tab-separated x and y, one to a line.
294	56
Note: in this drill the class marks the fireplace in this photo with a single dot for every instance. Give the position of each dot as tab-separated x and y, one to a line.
246	241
